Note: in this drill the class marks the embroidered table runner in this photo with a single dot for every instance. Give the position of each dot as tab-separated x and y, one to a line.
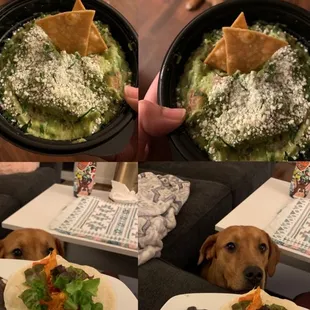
291	227
95	219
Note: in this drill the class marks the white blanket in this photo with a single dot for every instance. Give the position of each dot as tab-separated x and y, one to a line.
160	200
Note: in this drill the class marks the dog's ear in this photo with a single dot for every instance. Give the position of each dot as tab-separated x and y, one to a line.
274	257
59	247
207	250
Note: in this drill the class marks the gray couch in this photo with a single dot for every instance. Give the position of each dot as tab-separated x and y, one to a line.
16	190
216	189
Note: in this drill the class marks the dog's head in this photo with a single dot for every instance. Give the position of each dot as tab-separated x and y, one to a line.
29	244
241	256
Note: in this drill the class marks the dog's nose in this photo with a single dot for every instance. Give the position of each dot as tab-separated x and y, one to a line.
253	274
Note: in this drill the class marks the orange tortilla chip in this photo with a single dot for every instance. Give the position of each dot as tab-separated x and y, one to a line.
96	44
240	22
247	50
78	6
69	31
217	57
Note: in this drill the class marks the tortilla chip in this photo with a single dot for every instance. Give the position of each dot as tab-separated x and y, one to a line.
247	50
96	44
69	31
240	22
78	6
217	57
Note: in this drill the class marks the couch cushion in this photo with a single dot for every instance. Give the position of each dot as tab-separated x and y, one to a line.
160	281
8	206
26	186
243	178
207	204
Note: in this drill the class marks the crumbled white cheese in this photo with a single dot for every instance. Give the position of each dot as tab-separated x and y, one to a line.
258	104
47	80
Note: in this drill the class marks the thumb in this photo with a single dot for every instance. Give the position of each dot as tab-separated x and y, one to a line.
131	97
159	121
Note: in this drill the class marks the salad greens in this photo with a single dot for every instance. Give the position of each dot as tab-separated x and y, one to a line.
59	288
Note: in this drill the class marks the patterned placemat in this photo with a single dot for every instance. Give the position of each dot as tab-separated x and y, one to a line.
95	219
291	227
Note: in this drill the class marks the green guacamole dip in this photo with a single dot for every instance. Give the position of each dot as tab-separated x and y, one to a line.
58	96
263	115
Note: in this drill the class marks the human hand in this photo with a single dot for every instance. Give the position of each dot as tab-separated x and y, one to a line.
130	151
195	4
154	123
215	2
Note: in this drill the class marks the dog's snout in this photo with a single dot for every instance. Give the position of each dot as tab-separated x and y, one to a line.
253	274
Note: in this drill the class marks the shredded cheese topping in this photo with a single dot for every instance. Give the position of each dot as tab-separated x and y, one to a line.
59	82
259	104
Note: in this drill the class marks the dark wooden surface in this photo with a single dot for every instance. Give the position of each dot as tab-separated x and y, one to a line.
9	152
159	23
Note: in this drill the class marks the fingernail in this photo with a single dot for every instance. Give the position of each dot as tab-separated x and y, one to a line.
174	114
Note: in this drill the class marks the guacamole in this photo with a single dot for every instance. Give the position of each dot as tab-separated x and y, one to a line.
262	115
59	96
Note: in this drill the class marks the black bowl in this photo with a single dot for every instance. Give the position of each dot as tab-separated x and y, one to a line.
113	137
190	38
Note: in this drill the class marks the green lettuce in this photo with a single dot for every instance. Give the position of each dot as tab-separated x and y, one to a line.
79	287
38	288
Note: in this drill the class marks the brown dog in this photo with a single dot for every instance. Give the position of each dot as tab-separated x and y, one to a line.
29	244
239	258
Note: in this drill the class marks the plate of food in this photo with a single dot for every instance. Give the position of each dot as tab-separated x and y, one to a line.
256	299
53	283
63	69
242	72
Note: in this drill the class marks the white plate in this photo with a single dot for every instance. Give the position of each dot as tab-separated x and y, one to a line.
208	301
125	299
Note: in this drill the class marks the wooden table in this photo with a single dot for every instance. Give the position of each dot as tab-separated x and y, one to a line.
9	152
159	23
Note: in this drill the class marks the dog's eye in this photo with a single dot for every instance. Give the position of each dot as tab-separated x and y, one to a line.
50	250
230	246
263	247
17	252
